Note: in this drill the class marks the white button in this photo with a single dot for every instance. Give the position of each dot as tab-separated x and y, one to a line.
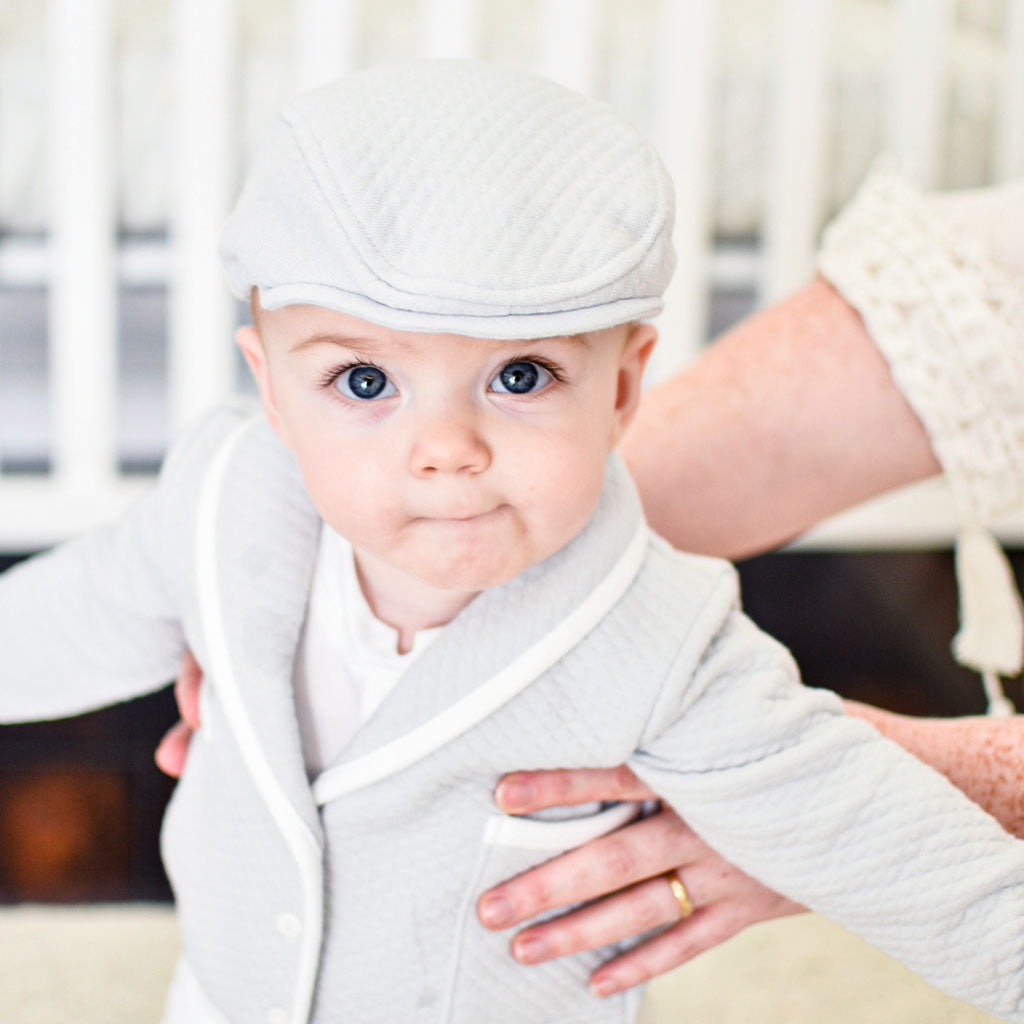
277	1016
288	926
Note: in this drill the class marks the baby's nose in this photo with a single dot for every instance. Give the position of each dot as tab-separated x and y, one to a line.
449	444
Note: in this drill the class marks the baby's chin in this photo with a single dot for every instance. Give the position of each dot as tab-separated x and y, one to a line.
456	577
469	558
474	574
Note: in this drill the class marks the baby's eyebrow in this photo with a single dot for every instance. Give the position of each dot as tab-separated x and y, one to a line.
372	346
354	342
579	339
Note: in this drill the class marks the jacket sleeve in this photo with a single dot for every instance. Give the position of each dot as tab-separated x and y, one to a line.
820	807
98	619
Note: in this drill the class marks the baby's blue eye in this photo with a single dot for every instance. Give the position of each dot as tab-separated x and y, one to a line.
365	382
520	378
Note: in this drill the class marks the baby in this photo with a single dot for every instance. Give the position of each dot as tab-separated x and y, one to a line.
422	565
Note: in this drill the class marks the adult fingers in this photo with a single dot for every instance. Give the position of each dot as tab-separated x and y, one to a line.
186	690
173	749
637	909
525	792
715	890
706	928
605	865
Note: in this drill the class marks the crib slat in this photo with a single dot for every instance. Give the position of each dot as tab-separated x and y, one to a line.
795	178
36	512
686	40
1009	140
917	100
326	41
201	363
83	286
449	28
567	42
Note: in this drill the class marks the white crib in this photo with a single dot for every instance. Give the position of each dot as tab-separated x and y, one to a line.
124	127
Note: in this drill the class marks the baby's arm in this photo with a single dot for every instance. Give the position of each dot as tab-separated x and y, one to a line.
88	623
821	808
98	620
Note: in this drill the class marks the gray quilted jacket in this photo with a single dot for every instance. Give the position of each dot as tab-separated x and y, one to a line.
352	900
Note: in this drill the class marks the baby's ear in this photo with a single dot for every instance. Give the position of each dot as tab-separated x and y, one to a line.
636	351
249	341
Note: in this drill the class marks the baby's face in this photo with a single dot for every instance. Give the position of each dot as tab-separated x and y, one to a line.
455	461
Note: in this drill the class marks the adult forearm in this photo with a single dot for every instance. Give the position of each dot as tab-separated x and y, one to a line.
983	757
790	417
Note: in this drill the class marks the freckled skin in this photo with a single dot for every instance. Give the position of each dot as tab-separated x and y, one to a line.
980	756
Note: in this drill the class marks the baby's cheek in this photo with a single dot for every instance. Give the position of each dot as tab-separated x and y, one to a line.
565	513
343	508
346	488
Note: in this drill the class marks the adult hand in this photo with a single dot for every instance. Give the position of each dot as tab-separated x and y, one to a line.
624	873
173	748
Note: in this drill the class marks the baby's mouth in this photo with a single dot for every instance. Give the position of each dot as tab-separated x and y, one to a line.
460	516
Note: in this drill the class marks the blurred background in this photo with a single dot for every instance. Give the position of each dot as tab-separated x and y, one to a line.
125	129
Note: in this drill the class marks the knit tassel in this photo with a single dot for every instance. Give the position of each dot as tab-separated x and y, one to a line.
991	635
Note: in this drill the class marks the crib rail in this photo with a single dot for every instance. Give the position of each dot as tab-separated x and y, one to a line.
84	261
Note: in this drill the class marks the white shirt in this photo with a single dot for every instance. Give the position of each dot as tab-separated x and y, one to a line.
347	660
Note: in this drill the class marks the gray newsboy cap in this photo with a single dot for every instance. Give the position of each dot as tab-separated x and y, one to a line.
455	196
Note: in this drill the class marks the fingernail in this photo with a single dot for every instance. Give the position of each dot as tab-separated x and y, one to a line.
530	951
607	985
513	796
495	911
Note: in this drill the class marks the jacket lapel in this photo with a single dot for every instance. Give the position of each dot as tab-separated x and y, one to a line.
500	643
257	537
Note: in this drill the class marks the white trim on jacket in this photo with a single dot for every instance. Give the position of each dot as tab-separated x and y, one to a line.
300	839
483	701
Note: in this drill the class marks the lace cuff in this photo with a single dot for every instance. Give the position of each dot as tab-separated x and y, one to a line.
950	322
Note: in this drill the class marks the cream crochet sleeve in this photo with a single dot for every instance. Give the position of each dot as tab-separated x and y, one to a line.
950	321
949	318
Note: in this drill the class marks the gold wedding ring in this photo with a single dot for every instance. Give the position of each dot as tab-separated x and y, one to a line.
675	883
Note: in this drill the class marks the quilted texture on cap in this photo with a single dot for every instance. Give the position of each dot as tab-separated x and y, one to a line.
455	196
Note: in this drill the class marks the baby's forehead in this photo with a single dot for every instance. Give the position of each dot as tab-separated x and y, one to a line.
306	326
455	196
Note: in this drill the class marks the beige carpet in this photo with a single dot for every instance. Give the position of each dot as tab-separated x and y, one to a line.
800	970
111	965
